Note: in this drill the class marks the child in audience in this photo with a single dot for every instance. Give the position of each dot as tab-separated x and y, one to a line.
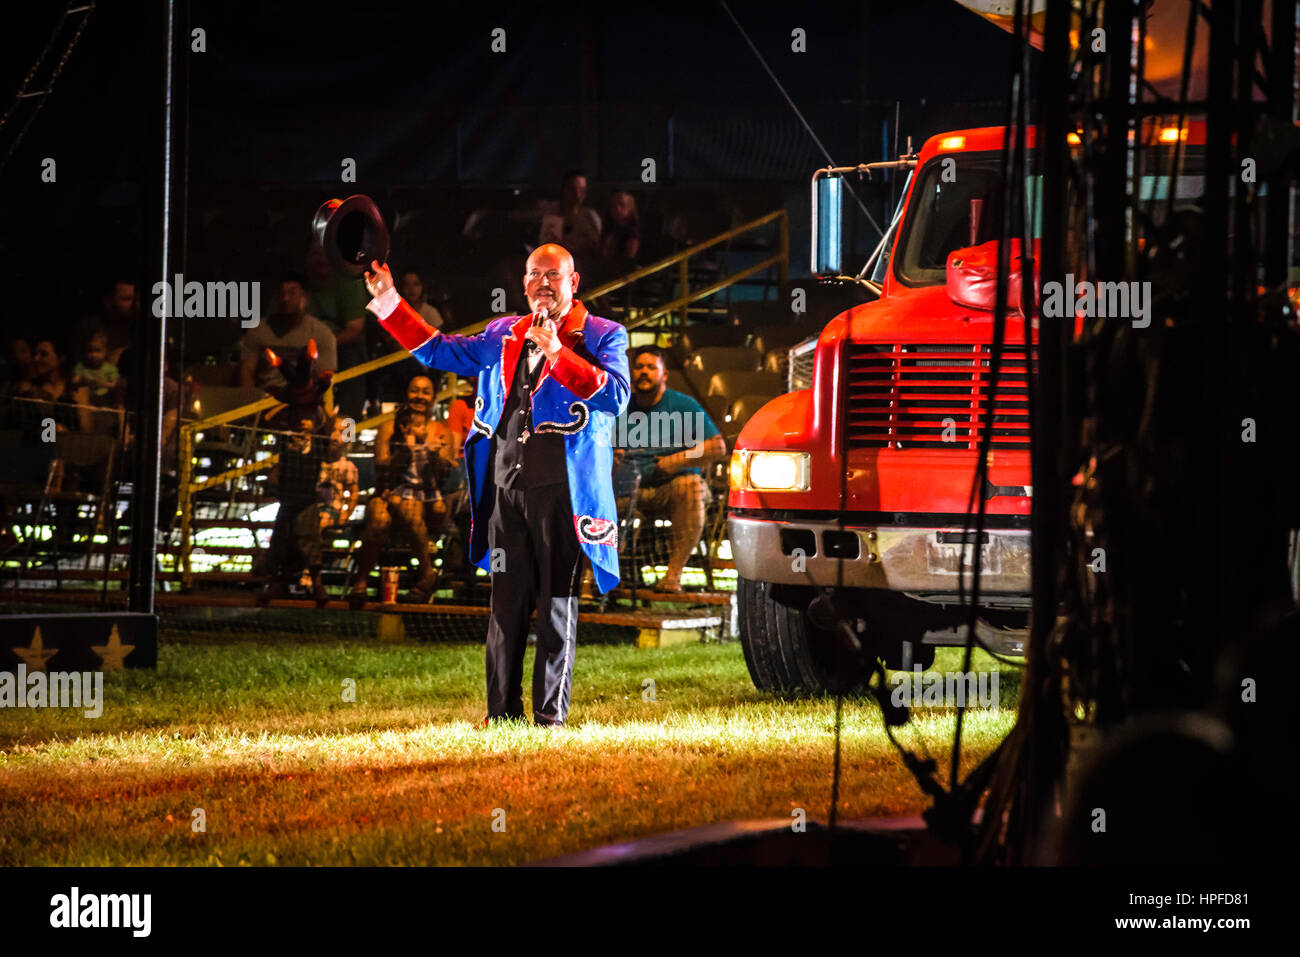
97	374
295	539
338	482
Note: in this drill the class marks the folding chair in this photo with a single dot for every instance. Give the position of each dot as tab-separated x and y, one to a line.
627	488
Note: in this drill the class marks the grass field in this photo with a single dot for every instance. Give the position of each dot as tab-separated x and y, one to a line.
285	771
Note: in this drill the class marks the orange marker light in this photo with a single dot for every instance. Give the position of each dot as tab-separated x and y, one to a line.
1074	139
952	143
1172	134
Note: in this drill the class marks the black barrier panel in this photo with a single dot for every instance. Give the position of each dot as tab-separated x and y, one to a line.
91	642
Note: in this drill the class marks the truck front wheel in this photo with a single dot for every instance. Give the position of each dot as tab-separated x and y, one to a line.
787	654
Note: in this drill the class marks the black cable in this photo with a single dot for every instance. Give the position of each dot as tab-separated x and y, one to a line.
1012	190
49	88
825	152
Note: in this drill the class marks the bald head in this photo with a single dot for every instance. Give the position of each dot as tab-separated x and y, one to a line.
550	281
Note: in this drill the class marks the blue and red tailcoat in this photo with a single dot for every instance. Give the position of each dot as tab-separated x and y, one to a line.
580	394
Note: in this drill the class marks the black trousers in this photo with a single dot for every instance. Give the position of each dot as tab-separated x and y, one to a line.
536	567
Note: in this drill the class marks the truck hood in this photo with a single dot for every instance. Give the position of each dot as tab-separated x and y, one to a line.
925	314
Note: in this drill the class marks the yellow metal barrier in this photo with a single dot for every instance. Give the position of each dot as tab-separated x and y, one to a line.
681	259
189	488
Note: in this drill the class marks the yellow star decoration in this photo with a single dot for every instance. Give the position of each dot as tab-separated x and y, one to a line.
35	655
114	652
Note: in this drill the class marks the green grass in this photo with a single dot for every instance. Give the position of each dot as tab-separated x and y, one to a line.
258	736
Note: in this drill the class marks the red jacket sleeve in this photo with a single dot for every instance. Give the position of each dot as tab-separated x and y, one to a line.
577	374
407	326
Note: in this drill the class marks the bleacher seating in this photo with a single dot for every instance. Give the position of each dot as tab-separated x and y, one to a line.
733	382
703	363
716	407
694	338
738	413
718	358
779	338
677	382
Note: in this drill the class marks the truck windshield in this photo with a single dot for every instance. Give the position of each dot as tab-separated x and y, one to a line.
953	206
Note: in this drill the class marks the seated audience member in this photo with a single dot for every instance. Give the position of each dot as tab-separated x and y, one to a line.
18	370
25	410
454	487
51	387
460	417
407	481
48	380
668	438
572	223
285	332
117	318
97	375
441	438
411	286
338	481
295	539
172	399
621	241
48	397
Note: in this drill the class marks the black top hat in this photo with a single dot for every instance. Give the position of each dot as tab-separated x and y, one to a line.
352	233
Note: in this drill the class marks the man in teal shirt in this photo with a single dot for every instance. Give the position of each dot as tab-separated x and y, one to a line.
669	439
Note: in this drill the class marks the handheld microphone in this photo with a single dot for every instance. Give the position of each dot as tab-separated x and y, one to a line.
542	313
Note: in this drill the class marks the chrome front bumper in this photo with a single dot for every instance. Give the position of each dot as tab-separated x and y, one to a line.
877	556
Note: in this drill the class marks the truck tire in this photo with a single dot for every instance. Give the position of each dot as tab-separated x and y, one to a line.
785	652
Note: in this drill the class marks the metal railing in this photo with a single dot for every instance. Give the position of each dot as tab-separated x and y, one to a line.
188	488
781	260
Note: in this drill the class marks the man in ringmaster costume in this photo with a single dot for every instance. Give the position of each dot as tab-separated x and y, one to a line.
539	458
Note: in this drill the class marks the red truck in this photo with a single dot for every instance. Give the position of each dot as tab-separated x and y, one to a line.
849	497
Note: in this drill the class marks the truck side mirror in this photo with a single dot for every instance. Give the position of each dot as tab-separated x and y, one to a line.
827	225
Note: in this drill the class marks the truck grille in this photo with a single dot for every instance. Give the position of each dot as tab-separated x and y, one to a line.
925	396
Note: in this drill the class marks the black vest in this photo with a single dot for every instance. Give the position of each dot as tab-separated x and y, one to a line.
526	462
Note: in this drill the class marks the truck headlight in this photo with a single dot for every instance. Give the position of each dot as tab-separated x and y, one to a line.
775	471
